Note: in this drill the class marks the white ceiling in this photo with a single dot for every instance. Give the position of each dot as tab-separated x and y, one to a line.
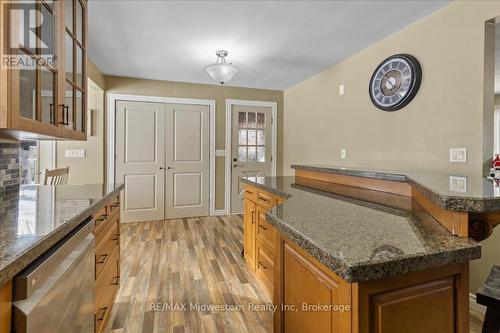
274	44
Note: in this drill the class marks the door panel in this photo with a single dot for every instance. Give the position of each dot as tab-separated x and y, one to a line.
140	192
140	146
251	148
187	160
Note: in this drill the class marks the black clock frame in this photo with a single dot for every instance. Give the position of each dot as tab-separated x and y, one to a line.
414	85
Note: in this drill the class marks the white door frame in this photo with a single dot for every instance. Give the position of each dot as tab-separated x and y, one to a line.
274	141
111	137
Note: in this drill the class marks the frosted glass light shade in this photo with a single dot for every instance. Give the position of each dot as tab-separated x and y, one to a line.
221	72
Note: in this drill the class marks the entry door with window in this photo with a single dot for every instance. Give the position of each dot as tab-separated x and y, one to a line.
251	148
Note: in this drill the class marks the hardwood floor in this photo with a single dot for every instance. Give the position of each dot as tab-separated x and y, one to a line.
190	261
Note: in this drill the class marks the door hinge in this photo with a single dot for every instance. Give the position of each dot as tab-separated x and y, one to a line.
271	158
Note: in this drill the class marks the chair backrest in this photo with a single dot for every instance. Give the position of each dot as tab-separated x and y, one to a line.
56	176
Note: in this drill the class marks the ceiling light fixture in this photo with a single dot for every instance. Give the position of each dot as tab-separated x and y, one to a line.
221	72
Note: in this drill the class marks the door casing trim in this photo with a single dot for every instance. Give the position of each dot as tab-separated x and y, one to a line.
274	141
110	136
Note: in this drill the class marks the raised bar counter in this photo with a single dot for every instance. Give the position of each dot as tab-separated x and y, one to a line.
359	239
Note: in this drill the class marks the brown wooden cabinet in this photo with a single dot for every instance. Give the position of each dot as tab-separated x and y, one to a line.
43	87
107	261
250	212
260	238
312	298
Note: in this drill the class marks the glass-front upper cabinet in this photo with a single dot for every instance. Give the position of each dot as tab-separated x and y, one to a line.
74	116
43	63
34	65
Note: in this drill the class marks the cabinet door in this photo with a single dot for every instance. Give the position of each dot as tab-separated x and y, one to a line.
33	81
74	104
304	283
249	223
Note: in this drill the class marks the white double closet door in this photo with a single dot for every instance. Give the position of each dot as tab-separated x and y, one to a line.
162	156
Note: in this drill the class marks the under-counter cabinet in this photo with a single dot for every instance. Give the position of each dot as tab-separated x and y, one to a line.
310	297
43	83
107	261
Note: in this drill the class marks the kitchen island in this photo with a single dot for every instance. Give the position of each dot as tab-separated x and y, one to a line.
363	253
34	219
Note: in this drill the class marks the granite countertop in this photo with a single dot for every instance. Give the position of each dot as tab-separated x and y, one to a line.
362	234
35	217
480	195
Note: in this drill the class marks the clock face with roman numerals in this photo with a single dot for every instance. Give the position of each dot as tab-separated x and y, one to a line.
395	82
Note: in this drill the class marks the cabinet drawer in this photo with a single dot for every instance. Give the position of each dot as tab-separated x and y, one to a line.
100	219
265	267
100	234
265	232
265	199
105	248
250	193
113	206
106	287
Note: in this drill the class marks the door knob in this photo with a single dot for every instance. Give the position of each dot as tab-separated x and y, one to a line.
235	165
161	168
169	168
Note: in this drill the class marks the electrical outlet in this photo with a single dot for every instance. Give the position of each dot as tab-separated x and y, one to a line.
458	155
80	153
341	90
343	153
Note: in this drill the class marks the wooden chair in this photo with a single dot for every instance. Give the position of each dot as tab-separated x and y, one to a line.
489	296
56	176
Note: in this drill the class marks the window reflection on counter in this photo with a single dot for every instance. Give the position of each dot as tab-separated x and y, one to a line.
26	224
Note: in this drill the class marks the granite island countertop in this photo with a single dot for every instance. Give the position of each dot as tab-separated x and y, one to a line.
362	240
35	217
480	195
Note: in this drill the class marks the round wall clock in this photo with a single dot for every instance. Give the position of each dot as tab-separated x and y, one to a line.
395	82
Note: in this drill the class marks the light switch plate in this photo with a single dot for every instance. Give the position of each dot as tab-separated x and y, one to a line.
78	153
341	90
458	184
343	153
458	155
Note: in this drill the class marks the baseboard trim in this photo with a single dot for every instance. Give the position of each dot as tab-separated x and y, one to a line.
474	305
219	212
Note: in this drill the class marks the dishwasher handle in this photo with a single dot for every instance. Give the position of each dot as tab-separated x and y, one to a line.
33	276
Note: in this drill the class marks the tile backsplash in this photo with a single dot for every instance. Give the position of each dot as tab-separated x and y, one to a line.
9	166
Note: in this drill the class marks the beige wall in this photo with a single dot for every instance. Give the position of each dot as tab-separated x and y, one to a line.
203	91
447	111
454	107
95	74
90	169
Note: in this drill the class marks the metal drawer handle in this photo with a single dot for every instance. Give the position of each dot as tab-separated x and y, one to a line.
261	265
262	227
116	281
103	313
264	199
253	216
101	218
115	205
248	192
117	237
102	258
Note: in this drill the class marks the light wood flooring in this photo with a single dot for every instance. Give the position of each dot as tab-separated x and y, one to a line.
194	260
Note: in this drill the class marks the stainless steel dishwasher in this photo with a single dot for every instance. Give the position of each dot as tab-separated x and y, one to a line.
56	292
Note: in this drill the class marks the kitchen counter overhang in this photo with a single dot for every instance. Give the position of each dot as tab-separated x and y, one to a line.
362	234
33	218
